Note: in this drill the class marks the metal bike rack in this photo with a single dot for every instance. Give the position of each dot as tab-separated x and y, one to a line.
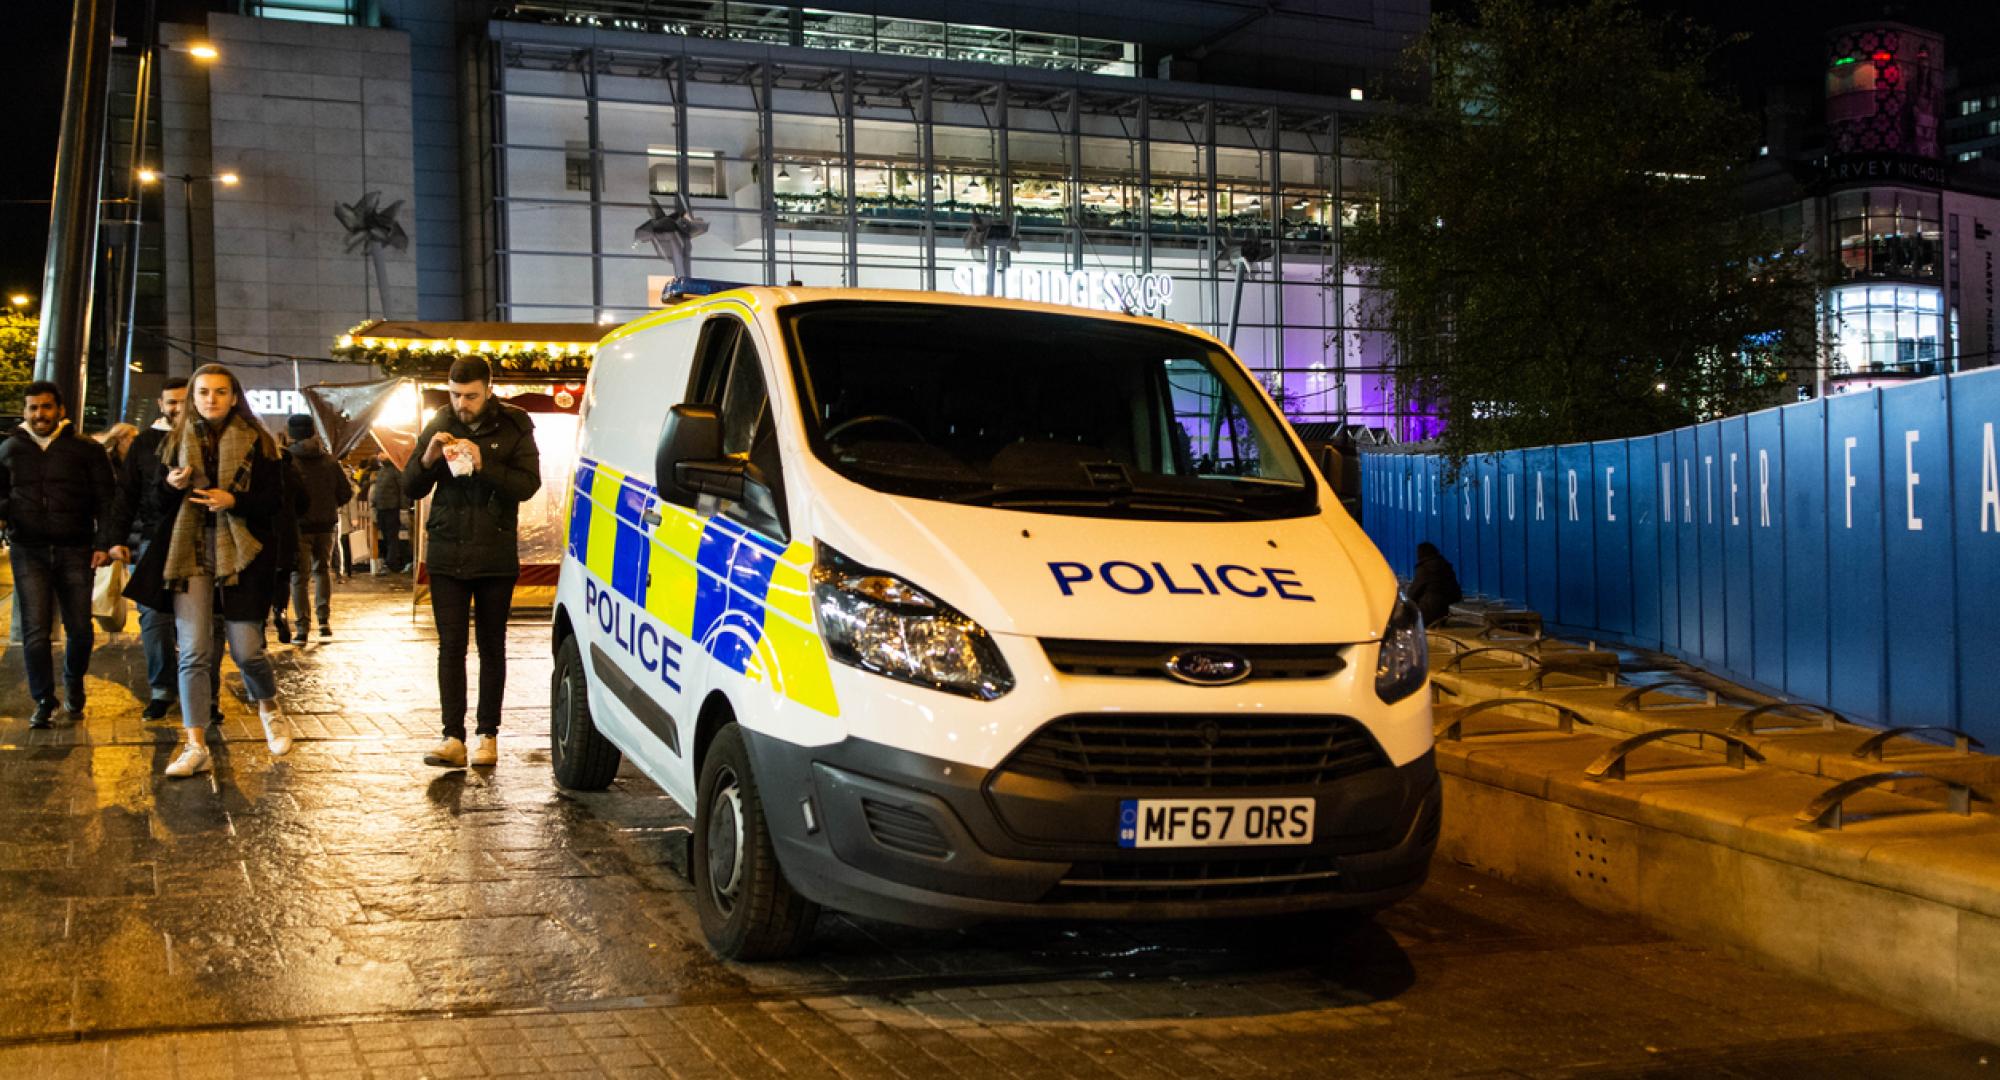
1460	621
1431	637
1610	765
1440	691
1520	624
1452	730
1633	702
1458	659
1747	723
1871	748
1825	811
1566	663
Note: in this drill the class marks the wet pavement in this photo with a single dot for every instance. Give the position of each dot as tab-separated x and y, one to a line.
348	911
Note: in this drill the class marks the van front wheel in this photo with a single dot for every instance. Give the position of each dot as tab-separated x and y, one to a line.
748	910
583	759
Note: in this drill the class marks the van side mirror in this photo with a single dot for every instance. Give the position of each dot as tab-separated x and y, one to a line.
692	436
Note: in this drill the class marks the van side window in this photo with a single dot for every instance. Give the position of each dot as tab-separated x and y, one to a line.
729	376
744	406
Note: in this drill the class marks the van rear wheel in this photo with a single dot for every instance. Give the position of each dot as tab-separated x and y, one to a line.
583	759
748	910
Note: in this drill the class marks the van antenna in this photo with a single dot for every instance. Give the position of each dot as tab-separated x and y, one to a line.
791	263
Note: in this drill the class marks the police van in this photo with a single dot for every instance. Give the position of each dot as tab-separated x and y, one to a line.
940	609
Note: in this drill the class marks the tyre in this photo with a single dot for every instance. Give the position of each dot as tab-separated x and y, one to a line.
748	911
583	759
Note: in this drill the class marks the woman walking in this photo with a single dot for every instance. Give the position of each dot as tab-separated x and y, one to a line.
216	553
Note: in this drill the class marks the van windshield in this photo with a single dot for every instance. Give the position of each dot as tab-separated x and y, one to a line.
1040	412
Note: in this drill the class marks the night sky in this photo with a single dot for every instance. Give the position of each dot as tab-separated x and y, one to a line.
1782	45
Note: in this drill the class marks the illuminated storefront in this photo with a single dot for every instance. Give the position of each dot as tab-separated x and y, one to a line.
872	171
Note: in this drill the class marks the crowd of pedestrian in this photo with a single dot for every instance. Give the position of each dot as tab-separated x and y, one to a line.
223	528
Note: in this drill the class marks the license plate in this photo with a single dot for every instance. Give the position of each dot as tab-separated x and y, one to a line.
1214	822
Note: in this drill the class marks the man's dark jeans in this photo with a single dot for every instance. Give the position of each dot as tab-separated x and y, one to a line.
51	579
388	539
455	603
156	635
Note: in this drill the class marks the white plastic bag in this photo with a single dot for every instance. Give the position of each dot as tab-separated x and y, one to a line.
107	597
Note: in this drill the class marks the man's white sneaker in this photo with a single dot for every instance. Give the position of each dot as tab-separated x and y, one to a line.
485	750
448	754
194	759
277	730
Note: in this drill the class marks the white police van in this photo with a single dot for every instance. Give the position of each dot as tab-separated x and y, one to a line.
940	609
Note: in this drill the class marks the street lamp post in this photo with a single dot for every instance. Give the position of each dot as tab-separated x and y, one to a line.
187	182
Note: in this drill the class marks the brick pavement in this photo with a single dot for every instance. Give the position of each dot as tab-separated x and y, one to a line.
346	911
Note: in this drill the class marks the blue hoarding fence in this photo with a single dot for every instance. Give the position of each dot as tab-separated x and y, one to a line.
1844	551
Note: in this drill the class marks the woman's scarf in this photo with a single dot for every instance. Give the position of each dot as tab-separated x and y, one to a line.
235	451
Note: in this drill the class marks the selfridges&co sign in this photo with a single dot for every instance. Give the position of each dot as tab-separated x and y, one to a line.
1099	290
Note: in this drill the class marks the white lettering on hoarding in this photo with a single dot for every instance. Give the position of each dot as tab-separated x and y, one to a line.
1733	520
1608	515
1764	487
1667	491
1989	487
1572	494
1541	513
1708	489
1916	524
1848	451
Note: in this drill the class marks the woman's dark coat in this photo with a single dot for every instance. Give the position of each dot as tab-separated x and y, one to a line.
259	505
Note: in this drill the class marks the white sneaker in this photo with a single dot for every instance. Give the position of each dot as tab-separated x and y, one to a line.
447	754
277	729
194	759
485	750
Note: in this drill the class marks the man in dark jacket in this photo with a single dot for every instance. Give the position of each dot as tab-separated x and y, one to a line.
138	518
478	462
1433	585
387	500
326	488
59	500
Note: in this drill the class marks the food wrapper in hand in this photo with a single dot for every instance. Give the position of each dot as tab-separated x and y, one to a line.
458	458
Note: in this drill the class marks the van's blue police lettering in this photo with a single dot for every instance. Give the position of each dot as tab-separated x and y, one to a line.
635	633
1133	579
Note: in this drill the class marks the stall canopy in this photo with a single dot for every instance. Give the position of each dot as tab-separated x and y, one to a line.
516	350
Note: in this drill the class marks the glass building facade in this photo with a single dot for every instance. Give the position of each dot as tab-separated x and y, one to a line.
851	165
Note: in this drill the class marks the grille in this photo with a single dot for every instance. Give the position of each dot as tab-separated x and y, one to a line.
1148	659
905	829
1134	750
1213	879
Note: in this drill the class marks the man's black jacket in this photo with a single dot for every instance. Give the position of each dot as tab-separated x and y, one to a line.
472	529
64	495
139	480
326	486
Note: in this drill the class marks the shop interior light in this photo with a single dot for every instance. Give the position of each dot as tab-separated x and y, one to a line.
783	173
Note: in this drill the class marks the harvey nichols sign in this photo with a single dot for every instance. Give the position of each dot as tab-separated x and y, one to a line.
1886	168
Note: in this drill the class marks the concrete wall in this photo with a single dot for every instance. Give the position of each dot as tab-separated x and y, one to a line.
309	117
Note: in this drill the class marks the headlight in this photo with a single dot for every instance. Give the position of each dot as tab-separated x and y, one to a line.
1405	657
878	622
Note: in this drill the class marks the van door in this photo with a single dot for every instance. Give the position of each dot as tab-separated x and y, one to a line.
738	543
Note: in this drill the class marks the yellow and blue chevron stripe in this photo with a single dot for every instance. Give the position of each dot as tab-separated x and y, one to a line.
739	595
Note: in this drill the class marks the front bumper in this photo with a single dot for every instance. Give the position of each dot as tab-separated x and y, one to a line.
884	833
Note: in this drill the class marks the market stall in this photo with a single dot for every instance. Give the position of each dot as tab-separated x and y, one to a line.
538	367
